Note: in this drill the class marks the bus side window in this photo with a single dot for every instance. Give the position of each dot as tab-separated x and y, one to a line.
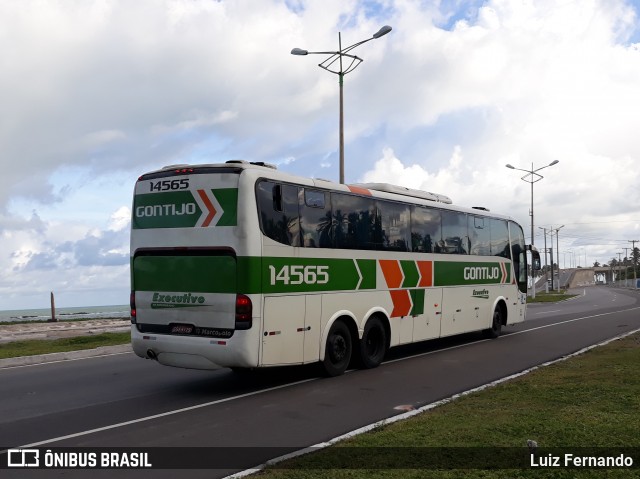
354	221
315	218
426	230
500	238
394	228
454	233
479	235
278	208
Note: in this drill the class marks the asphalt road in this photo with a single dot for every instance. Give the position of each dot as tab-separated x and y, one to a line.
124	401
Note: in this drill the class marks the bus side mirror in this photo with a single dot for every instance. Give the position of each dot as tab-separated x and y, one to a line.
536	264
535	257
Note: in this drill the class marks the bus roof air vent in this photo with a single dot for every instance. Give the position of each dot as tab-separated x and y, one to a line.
266	165
173	167
480	208
401	190
242	162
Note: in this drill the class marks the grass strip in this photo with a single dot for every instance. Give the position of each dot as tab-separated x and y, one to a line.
44	346
592	400
550	297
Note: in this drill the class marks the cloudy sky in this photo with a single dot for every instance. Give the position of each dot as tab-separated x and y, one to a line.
96	92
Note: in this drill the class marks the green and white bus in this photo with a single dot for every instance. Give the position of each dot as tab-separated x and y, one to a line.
239	265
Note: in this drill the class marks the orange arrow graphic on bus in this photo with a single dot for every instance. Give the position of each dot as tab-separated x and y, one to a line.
426	273
401	302
503	267
207	202
392	272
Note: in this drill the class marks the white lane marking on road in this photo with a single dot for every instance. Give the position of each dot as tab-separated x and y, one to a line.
547	312
65	360
164	414
569	321
415	412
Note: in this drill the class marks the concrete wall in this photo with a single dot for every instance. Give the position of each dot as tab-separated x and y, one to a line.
582	277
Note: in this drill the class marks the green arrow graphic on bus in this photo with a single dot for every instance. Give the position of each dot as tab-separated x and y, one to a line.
186	209
411	274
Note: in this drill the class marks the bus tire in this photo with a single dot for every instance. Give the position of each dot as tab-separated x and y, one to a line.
496	325
373	345
337	353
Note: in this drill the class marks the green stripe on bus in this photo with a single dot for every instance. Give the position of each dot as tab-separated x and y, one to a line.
298	275
228	199
417	298
181	209
226	274
196	274
176	209
453	273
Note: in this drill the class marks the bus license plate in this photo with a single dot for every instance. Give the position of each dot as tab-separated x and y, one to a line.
182	329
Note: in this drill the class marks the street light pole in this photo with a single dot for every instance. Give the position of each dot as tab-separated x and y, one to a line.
327	65
558	255
532	177
545	262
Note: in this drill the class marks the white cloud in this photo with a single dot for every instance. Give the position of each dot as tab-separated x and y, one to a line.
120	219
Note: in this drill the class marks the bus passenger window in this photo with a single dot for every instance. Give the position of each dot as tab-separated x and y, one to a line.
479	235
454	233
394	231
426	230
315	219
500	238
278	211
354	221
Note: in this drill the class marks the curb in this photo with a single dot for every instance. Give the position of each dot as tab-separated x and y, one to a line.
64	356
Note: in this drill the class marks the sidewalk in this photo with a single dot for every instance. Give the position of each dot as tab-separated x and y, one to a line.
63	329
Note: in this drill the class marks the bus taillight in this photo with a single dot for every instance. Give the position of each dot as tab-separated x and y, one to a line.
244	311
132	303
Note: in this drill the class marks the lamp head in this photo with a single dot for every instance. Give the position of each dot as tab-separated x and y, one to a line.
510	166
383	31
299	51
554	162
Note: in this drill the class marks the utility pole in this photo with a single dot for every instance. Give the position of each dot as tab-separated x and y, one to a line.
619	265
546	279
557	255
633	250
626	269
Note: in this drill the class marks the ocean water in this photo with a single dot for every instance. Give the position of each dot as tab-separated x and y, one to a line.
87	312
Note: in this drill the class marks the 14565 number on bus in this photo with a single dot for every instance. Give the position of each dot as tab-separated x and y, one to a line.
299	274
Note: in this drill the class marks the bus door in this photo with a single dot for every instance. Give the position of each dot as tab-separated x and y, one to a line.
291	329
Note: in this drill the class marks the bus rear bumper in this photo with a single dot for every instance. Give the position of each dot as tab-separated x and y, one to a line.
194	353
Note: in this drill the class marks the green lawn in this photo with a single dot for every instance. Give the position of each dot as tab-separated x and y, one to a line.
550	297
592	400
43	346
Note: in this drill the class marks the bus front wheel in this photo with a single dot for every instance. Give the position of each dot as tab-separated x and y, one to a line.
373	345
338	350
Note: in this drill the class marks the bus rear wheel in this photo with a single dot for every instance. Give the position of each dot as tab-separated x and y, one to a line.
496	325
337	352
373	345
